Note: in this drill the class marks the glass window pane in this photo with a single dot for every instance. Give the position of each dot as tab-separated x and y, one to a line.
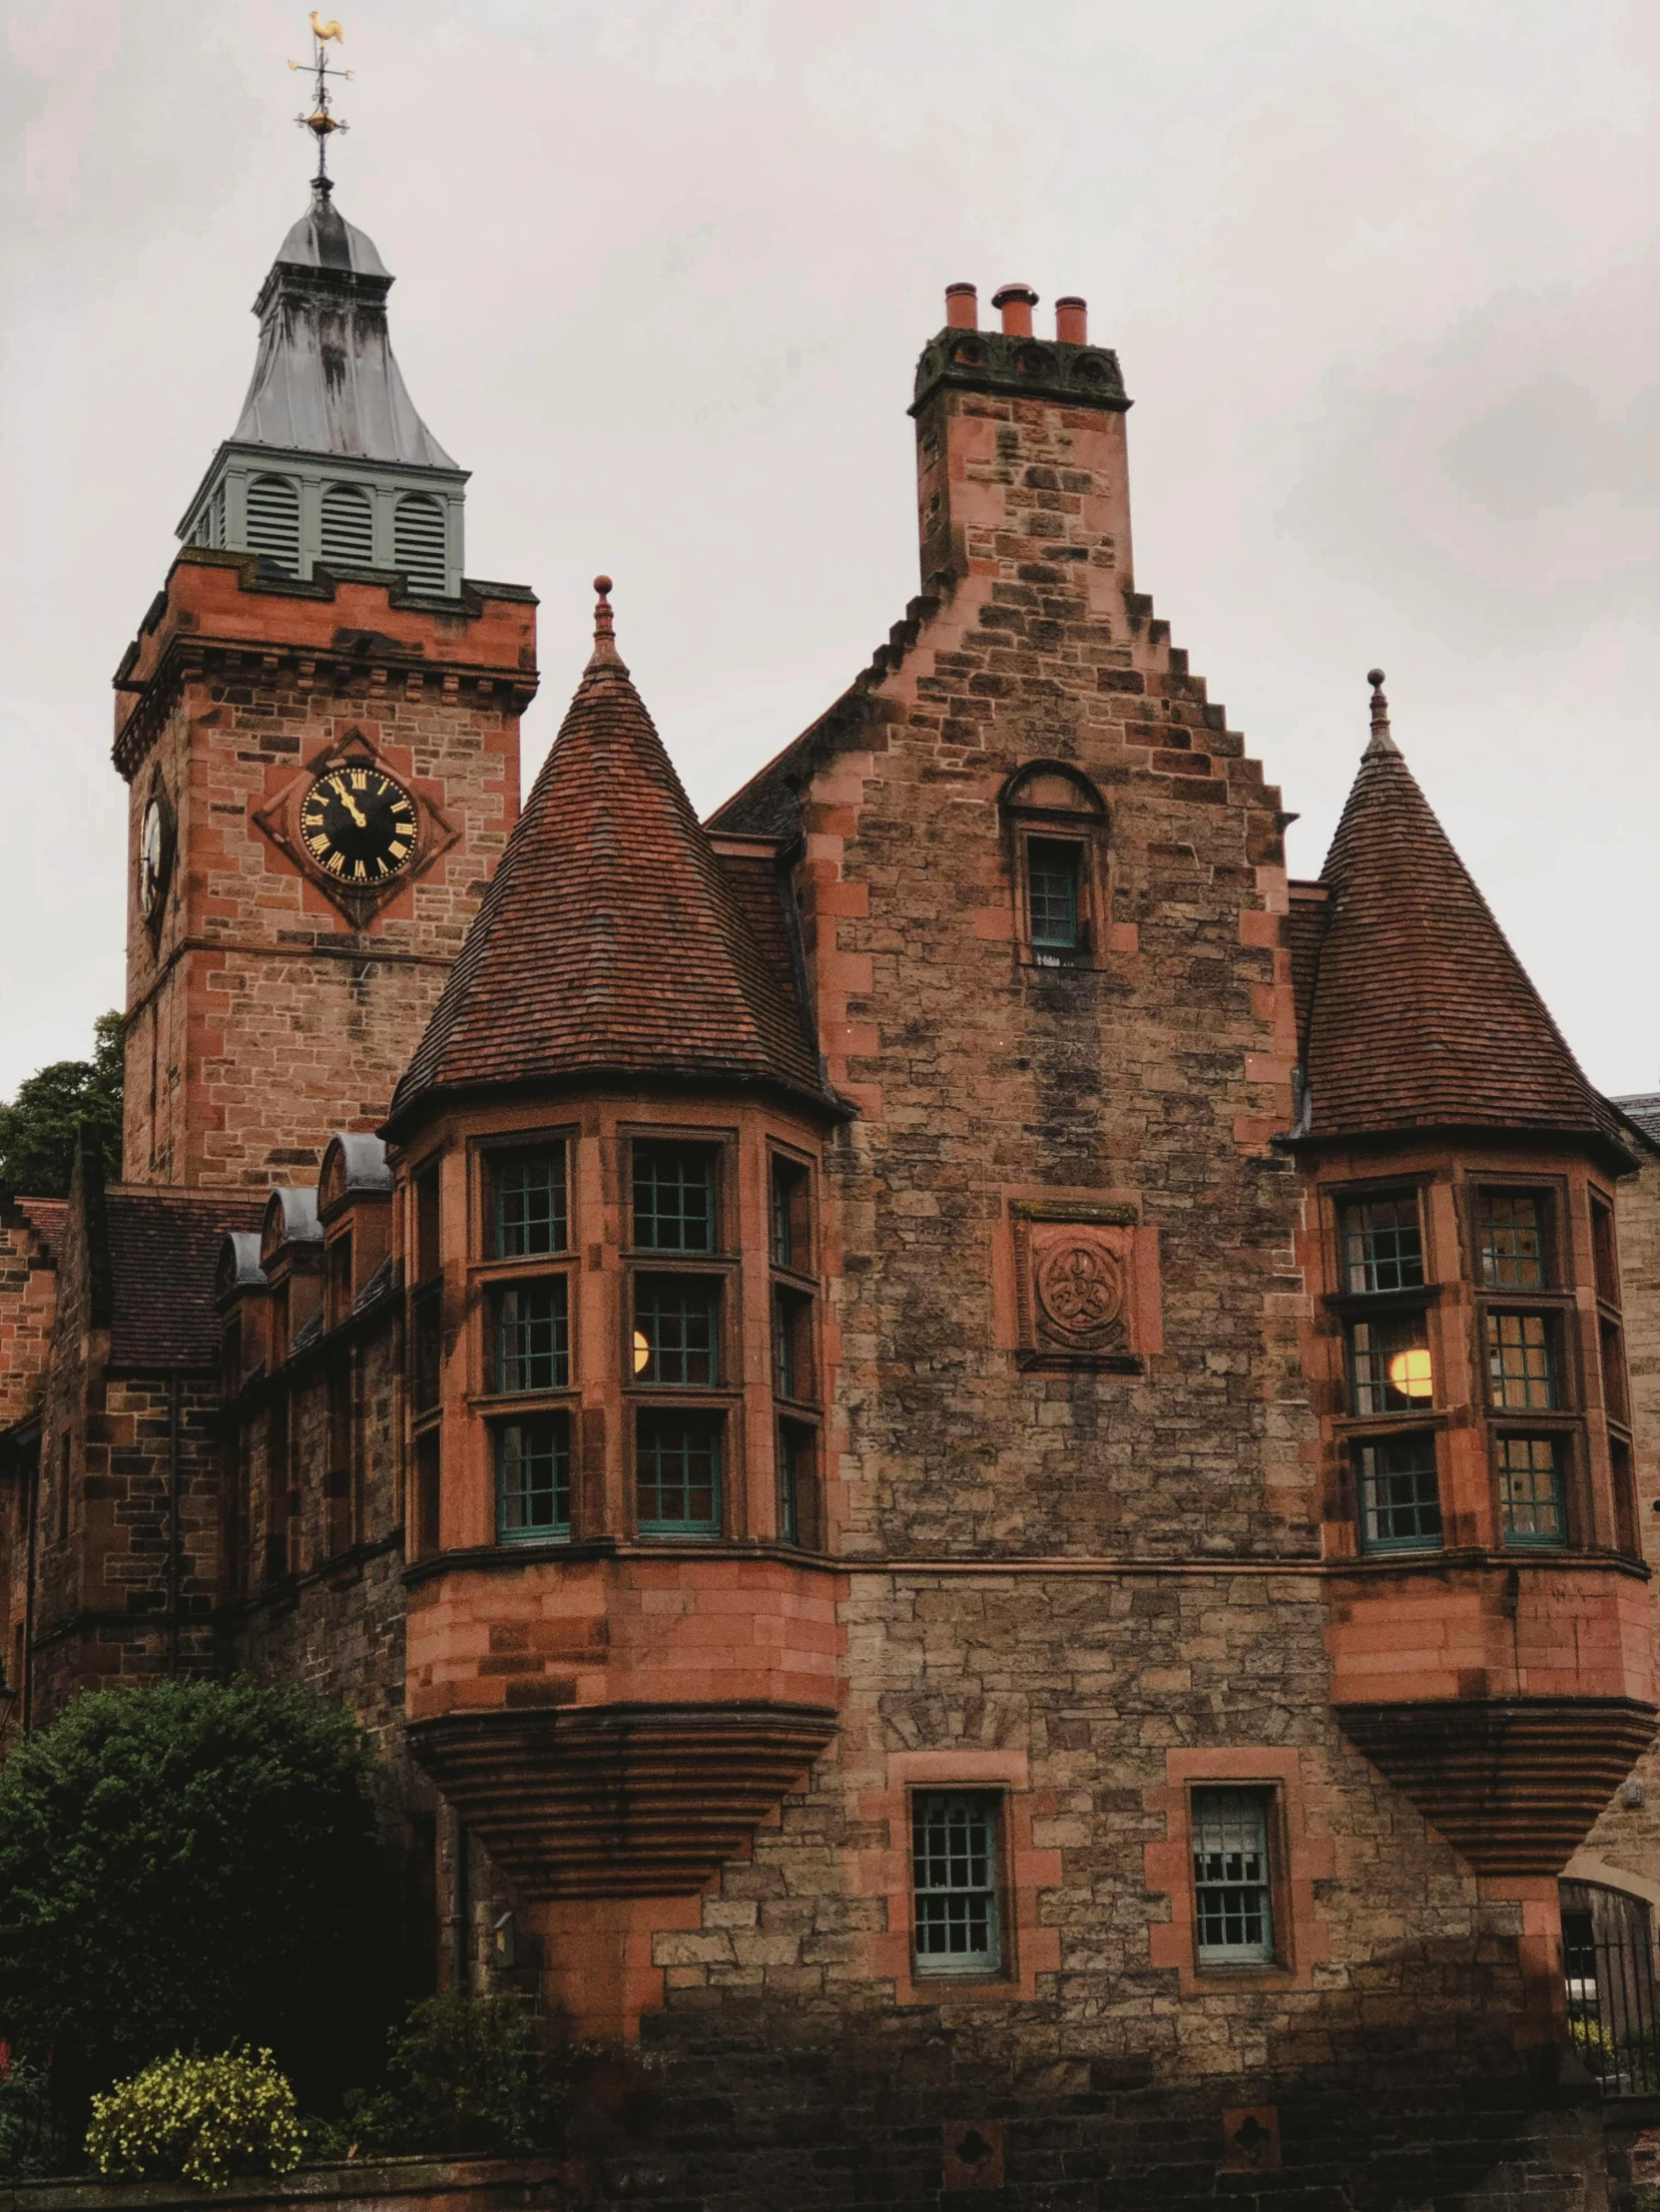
953	1845
530	1212
1382	1246
674	1197
1399	1499
677	1331
1388	1364
533	1478
1052	872
1512	1240
678	1474
789	1216
796	1501
1519	1361
1530	1490
532	1337
1231	1902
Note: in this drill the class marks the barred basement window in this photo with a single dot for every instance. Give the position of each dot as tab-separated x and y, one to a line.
678	1474
1512	1236
533	1340
1232	1905
1388	1364
1521	1363
528	1203
418	542
1530	1490
347	525
674	1197
274	521
1400	1495
1382	1246
953	1855
533	1478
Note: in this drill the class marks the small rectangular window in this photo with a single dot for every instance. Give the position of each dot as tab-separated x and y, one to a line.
1233	1902
1400	1495
427	1256
1604	1253
1530	1490
1388	1364
792	1344
674	1197
1625	1501
527	1203
426	1361
340	1290
678	1474
427	1494
533	1340
1512	1229
797	1502
1616	1395
953	1853
1053	872
533	1478
1382	1246
792	1220
677	1331
1521	1363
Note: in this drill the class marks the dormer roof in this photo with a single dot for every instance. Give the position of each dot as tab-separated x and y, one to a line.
611	940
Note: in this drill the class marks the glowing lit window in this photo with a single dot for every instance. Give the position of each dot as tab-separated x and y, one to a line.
1521	1363
1389	1365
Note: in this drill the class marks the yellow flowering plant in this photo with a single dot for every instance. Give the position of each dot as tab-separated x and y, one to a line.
205	2120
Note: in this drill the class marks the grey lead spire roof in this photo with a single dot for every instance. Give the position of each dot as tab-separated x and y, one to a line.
325	381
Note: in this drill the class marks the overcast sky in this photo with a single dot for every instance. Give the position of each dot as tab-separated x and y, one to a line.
1381	275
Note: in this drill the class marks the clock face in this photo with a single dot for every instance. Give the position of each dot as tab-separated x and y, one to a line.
358	825
155	856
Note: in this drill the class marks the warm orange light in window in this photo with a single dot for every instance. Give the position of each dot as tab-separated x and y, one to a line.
642	1351
1410	1373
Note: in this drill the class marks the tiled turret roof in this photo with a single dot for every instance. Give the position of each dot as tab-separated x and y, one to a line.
1421	1016
610	939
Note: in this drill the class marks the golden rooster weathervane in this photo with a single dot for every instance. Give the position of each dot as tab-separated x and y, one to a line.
323	122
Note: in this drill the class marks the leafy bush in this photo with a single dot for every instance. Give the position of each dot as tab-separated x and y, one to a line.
463	2074
204	2119
192	1866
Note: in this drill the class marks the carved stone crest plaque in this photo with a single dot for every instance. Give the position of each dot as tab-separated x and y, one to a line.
1086	1285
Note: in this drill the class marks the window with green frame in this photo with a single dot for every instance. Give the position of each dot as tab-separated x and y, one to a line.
1521	1362
1530	1490
953	1860
532	1337
1383	1243
529	1213
797	1443
533	1478
1388	1364
1055	869
1233	1899
674	1195
677	1331
677	1469
1399	1493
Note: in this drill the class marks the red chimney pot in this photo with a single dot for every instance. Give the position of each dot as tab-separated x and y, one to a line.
962	308
1016	303
1072	320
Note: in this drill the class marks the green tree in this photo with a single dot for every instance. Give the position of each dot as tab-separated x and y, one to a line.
38	1130
189	1865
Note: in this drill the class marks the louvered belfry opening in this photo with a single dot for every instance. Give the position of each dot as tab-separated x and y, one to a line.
347	532
274	521
418	542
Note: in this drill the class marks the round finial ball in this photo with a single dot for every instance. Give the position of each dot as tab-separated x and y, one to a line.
1374	676
602	584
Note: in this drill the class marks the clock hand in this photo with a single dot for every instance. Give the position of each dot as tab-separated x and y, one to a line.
347	802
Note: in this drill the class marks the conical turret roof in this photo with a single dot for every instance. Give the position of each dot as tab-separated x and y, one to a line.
608	941
1421	1015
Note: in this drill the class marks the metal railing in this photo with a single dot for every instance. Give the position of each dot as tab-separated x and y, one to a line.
1614	2011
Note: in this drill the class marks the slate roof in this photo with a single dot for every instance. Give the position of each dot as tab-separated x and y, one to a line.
324	378
611	939
164	1247
1421	1016
1644	1111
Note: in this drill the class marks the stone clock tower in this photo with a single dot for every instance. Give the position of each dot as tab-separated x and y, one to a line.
319	725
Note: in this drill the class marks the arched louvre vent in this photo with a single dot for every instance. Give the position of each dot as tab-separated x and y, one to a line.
274	521
418	542
347	525
215	518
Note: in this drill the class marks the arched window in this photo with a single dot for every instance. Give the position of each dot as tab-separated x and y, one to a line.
418	542
347	525
274	521
1056	824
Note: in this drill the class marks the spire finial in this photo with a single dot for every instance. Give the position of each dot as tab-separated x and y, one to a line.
1382	742
605	654
321	122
